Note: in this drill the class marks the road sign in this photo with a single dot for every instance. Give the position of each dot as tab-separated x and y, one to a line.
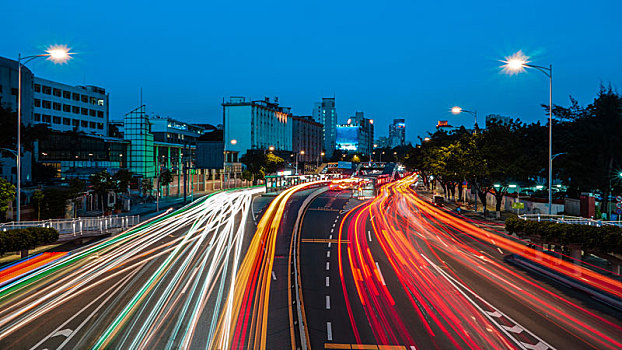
619	211
619	205
518	205
619	198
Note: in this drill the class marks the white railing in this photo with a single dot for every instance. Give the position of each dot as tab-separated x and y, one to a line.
567	219
79	226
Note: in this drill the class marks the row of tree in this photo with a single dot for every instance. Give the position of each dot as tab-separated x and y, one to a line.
588	141
24	239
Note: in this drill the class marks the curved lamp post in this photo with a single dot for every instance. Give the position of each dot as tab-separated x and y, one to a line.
516	64
457	110
58	54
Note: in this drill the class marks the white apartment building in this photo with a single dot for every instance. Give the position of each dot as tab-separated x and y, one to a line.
65	107
256	125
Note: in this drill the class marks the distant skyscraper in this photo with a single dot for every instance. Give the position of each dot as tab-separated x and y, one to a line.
325	113
397	133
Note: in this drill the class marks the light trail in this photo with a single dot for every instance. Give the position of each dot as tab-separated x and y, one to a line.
243	324
181	262
411	234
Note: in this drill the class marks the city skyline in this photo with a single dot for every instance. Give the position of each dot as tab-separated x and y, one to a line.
421	65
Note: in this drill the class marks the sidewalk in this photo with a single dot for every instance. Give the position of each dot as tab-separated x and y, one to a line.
468	209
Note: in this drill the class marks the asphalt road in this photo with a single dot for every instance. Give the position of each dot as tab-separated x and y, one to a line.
162	285
410	278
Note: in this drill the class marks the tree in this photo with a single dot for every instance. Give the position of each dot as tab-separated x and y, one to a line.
591	139
37	198
258	164
166	177
146	186
7	195
76	187
102	183
122	180
54	203
273	163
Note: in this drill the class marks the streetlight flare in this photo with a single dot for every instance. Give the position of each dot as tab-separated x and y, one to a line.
58	53
456	110
516	63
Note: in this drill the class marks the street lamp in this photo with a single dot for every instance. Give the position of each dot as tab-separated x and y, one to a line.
516	64
302	153
457	110
58	54
318	159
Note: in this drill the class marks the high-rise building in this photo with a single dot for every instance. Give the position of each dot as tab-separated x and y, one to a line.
256	125
397	133
325	113
357	135
307	137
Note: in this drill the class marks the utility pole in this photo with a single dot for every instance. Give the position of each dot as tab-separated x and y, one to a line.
185	165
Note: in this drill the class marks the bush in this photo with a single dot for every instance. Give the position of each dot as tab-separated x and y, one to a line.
605	239
28	238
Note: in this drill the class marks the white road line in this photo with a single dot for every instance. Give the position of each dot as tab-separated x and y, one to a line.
273	276
330	236
327	266
328	254
327	281
328	302
369	235
493	241
329	244
500	251
329	331
334	225
380	273
332	230
412	347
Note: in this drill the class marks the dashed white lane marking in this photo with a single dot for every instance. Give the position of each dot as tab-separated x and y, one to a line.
329	331
334	225
329	244
412	347
332	230
493	241
328	254
327	266
500	251
380	273
327	281
273	276
328	302
330	236
369	235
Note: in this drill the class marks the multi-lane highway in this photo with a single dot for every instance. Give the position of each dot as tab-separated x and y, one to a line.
309	268
400	273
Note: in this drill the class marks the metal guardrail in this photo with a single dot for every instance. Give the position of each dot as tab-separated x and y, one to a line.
567	219
79	226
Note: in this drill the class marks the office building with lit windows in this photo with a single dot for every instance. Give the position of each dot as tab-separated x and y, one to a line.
257	125
307	137
64	107
397	133
357	136
325	113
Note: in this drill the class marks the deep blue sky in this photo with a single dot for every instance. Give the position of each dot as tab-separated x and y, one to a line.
389	59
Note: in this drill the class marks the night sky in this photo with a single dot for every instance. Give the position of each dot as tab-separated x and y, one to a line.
389	59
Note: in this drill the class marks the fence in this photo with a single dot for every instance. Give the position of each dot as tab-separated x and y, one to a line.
79	226
566	219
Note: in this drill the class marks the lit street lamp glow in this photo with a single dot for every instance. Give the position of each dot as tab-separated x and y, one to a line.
456	110
515	63
58	53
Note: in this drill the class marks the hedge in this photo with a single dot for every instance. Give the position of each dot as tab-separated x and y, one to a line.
605	239
27	238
